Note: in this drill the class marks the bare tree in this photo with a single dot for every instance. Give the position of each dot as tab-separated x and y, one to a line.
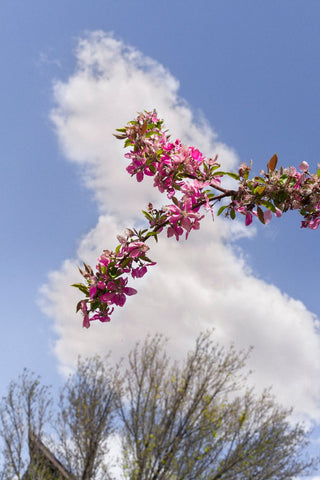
85	419
26	408
177	421
196	420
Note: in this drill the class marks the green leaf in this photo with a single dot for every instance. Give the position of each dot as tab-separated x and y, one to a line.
128	143
122	130
233	175
149	134
230	174
209	194
81	287
113	272
147	215
214	167
283	178
95	305
281	196
233	214
259	189
259	179
221	209
145	258
268	205
126	262
152	234
152	168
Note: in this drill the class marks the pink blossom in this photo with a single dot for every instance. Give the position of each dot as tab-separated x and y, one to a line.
196	154
174	230
312	223
304	166
119	299
102	317
136	249
190	182
248	218
138	272
104	259
140	176
267	215
168	146
92	291
116	292
86	321
84	309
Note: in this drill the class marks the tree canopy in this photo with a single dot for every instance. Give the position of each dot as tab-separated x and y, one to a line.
175	420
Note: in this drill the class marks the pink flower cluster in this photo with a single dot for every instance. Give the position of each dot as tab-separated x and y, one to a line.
178	170
108	286
278	191
190	181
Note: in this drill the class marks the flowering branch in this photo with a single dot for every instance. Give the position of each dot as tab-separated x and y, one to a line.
190	182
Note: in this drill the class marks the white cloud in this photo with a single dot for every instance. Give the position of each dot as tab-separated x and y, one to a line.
112	83
200	283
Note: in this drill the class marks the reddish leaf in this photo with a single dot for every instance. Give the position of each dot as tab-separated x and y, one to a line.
119	136
144	128
273	162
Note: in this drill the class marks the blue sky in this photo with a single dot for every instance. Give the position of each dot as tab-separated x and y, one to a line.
251	69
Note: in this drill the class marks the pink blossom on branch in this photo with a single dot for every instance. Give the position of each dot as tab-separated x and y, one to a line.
190	182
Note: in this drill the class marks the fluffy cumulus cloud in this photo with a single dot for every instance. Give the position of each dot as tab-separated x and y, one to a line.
197	284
